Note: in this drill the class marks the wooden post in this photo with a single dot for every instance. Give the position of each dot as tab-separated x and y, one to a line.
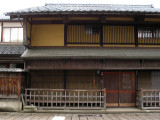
101	34
25	31
136	35
141	99
25	96
19	85
105	98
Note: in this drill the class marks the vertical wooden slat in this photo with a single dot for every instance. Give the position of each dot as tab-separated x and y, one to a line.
52	99
38	98
34	97
30	97
78	98
56	98
43	99
26	97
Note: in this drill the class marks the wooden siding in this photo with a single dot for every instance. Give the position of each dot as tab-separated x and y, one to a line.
118	35
10	85
48	35
47	79
74	79
83	80
144	80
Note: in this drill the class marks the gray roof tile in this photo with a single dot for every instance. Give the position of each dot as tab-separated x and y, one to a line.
61	8
90	53
11	49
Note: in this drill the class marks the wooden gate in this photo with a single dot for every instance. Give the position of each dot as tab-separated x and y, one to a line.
120	88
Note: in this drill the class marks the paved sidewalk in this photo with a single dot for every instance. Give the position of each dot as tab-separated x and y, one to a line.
52	116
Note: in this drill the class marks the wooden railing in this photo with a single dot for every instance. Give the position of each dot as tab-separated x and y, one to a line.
148	99
65	98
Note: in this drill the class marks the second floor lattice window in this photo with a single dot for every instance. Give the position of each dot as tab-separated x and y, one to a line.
12	34
83	34
149	36
149	33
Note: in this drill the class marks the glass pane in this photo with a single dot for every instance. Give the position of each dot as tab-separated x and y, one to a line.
20	35
14	34
6	35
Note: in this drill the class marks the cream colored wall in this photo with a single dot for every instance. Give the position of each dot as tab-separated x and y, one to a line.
48	35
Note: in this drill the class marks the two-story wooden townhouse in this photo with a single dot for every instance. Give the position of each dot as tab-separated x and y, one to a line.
91	55
11	64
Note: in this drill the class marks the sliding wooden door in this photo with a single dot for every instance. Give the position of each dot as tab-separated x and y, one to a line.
120	88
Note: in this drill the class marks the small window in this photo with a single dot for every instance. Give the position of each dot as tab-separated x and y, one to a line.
91	30
12	34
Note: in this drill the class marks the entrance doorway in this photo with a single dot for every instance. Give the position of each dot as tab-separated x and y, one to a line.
120	88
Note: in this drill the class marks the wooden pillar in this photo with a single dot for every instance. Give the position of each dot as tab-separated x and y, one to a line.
25	30
136	35
19	85
101	34
2	32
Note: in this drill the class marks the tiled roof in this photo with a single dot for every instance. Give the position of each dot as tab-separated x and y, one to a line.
3	17
92	53
79	8
11	49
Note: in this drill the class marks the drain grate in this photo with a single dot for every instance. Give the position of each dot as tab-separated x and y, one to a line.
90	115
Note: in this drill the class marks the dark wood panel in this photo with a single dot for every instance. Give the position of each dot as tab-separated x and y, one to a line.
10	84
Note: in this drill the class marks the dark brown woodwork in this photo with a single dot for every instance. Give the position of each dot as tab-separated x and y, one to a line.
101	34
110	64
2	32
136	35
25	30
10	85
37	22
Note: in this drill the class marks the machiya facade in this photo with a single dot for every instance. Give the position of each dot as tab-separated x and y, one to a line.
11	64
91	56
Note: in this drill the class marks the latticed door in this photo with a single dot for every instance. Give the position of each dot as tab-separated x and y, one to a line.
120	88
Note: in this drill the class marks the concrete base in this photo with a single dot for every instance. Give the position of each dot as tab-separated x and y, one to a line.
10	106
29	108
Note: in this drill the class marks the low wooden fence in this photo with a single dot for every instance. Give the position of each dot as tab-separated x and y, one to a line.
148	99
66	98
